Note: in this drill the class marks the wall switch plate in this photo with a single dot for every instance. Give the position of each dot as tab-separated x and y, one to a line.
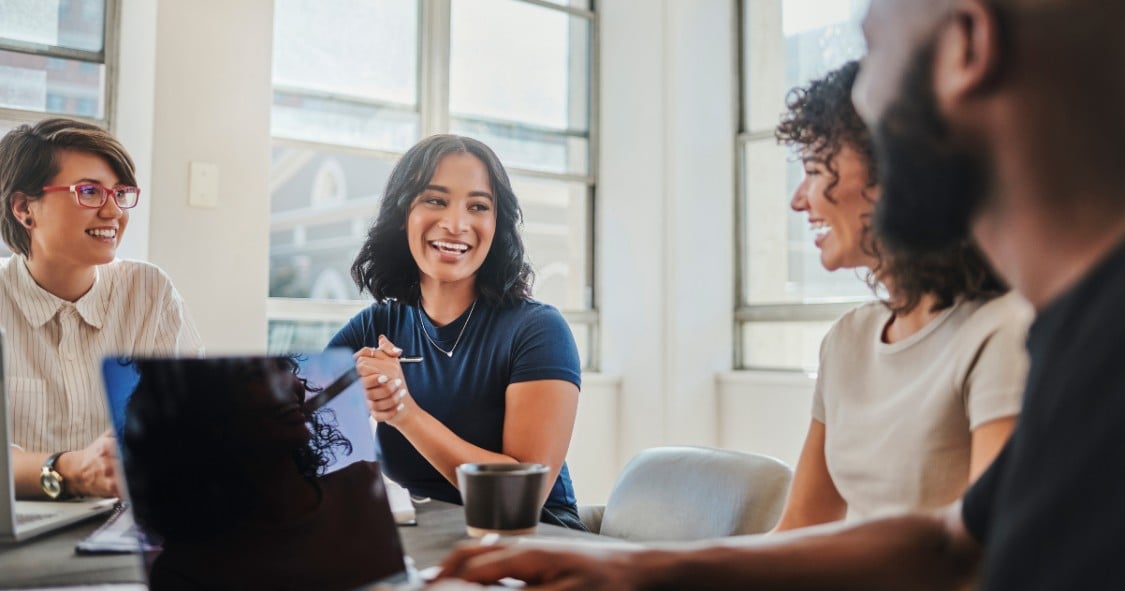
203	185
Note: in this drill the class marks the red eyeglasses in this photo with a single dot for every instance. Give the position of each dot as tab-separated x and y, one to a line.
94	196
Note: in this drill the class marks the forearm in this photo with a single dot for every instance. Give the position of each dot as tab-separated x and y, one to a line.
914	552
26	467
441	447
796	519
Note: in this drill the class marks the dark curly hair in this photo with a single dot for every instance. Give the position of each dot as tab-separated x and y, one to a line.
384	266
821	120
186	478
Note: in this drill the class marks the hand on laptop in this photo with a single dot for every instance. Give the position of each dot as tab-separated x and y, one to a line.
92	470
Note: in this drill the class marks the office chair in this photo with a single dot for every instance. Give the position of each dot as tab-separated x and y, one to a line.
692	493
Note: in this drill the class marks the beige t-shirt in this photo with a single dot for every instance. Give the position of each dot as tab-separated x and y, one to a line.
899	417
53	348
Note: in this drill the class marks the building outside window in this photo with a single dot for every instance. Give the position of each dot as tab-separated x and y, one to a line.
787	301
55	58
357	82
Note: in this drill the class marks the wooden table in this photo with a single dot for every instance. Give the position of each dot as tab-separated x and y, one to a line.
51	560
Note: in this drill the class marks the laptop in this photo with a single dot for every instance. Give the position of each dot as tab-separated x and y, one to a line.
22	520
211	451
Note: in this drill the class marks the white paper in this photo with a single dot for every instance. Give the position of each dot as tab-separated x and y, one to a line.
401	505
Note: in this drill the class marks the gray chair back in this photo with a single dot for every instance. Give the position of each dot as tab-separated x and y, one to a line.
695	493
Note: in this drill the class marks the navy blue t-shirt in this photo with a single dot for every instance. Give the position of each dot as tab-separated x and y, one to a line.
466	392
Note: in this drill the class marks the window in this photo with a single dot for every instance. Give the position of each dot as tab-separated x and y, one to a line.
53	61
357	82
787	301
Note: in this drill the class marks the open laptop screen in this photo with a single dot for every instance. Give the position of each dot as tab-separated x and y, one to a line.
253	472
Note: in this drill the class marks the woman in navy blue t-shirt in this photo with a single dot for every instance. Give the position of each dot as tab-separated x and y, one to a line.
456	357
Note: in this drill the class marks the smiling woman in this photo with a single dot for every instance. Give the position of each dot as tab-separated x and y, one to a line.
499	373
941	360
66	302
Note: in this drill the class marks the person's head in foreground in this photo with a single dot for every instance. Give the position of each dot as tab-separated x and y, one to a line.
839	193
66	187
205	438
999	119
412	247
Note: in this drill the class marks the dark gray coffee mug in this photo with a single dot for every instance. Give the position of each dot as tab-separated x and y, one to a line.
502	498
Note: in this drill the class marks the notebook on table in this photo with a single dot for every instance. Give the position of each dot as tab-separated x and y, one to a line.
21	520
201	439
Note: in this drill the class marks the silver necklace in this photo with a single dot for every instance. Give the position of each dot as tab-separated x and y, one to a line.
448	353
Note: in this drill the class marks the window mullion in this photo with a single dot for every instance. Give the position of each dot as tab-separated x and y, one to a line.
111	39
433	78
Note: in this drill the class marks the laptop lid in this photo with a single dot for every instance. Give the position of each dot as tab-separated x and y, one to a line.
21	520
253	471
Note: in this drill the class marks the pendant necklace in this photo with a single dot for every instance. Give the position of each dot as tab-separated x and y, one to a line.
448	353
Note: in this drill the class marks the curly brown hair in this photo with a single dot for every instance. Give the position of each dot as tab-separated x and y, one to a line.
821	120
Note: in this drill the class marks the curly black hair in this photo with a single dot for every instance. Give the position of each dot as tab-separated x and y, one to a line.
821	120
186	478
384	266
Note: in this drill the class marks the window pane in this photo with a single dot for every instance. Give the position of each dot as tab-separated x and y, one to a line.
788	43
543	87
291	336
332	120
583	336
51	85
346	72
782	345
555	235
519	147
581	4
75	24
322	204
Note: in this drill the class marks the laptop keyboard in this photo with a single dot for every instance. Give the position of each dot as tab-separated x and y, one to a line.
26	518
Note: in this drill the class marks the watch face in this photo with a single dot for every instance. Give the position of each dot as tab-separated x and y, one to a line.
51	485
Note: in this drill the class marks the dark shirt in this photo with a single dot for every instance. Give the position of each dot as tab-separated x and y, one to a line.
466	392
1051	508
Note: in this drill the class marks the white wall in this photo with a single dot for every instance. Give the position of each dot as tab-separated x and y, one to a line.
195	80
205	96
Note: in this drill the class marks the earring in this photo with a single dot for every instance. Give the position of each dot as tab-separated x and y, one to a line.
27	222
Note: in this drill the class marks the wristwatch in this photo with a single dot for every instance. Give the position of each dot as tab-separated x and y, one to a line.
51	480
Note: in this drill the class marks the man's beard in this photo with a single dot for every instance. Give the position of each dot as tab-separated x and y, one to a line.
931	186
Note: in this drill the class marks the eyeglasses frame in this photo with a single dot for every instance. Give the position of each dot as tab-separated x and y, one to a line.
105	191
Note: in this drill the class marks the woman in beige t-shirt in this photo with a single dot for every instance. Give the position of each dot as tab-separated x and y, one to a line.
916	394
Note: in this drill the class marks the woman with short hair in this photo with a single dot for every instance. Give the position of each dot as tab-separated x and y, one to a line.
66	301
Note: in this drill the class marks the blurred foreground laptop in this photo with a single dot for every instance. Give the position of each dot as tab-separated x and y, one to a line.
255	472
20	520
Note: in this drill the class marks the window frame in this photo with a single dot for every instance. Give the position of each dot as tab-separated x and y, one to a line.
434	42
746	313
107	57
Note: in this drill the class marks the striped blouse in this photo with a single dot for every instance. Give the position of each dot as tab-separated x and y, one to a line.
53	348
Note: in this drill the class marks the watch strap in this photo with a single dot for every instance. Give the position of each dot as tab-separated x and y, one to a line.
50	469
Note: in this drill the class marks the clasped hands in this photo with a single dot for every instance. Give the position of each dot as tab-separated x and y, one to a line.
381	374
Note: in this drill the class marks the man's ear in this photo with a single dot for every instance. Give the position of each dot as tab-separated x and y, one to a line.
968	54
